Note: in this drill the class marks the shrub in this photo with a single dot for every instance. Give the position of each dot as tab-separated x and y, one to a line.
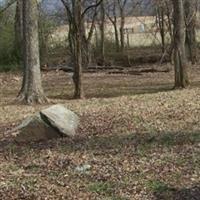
9	55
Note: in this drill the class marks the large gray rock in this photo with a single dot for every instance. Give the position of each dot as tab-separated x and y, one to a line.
53	122
35	129
62	119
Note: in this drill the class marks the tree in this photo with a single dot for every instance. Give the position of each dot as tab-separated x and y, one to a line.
169	15
160	8
122	8
180	63
31	91
77	28
190	21
19	28
102	31
90	15
112	16
78	39
122	5
47	25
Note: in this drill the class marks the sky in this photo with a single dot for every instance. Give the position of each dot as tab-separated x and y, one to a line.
1	1
53	5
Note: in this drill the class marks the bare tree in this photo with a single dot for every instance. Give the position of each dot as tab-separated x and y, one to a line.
77	38
111	13
122	5
180	63
102	32
190	20
169	24
91	15
19	28
160	8
31	91
169	13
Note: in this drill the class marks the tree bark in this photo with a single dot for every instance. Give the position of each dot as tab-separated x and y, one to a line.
122	30
191	43
19	29
86	41
77	9
31	91
169	9
180	63
116	37
122	4
161	24
113	19
102	30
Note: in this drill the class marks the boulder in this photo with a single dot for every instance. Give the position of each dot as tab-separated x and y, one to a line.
53	122
62	119
35	129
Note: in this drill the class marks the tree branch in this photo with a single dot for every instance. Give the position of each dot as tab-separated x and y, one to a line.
90	7
68	9
7	6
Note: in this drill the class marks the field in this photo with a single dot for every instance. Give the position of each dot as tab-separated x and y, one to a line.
138	139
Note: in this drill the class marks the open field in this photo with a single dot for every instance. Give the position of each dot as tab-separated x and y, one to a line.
140	138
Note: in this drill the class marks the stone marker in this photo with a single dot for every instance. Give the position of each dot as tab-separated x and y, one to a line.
53	122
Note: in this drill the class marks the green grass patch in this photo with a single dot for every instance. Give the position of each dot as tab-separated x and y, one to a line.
102	188
157	186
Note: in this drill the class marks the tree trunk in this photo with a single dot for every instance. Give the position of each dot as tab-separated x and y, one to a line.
31	91
114	23
85	51
116	37
128	40
170	29
122	30
160	15
102	30
77	77
113	19
169	21
181	76
78	93
86	41
191	44
19	29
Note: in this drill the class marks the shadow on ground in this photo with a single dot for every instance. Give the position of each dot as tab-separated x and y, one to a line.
117	91
110	143
179	194
108	147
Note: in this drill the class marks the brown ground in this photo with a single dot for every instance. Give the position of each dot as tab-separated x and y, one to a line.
141	139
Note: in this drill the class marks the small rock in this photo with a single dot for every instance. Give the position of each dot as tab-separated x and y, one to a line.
83	168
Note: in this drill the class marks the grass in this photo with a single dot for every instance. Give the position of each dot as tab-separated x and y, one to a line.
101	188
157	186
140	139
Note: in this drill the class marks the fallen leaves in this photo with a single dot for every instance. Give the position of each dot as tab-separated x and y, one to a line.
129	146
